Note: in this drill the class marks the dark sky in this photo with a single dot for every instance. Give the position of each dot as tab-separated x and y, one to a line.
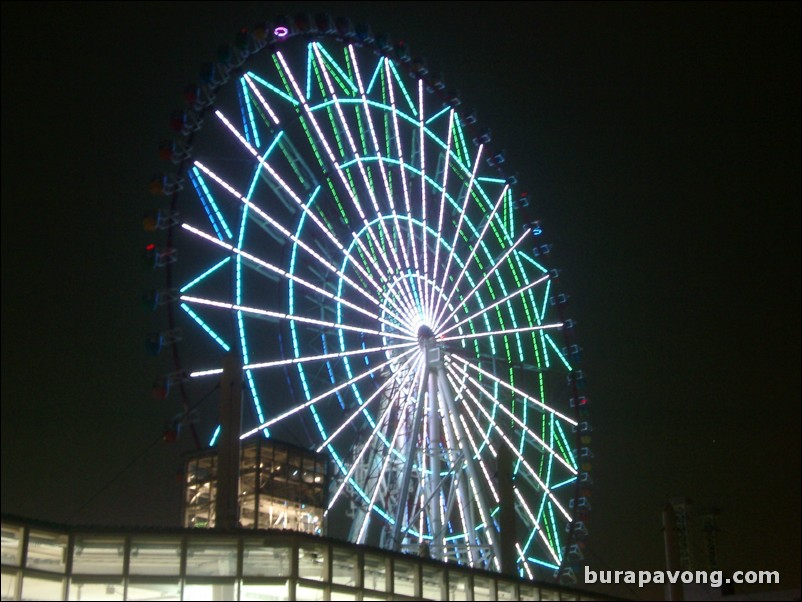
661	142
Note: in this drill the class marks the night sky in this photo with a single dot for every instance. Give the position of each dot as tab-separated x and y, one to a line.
661	143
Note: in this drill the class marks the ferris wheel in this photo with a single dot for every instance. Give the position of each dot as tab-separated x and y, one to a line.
343	226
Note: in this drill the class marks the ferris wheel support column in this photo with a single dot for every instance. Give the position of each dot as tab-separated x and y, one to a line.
432	492
473	474
403	492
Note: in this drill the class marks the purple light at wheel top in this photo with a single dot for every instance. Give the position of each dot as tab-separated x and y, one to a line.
281	31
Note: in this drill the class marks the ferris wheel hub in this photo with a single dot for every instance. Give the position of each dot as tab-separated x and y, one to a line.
425	333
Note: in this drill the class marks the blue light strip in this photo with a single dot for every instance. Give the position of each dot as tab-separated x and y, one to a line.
206	327
215	435
337	68
211	270
436	115
249	107
379	70
562	483
309	52
558	352
273	88
193	177
403	88
553	567
208	196
244	112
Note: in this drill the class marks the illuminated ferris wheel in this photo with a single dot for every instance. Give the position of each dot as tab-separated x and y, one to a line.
344	228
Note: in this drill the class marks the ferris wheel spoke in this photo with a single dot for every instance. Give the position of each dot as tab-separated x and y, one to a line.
371	234
303	359
260	263
365	447
400	154
490	333
514	449
482	431
321	397
446	169
537	529
363	406
471	255
337	169
326	356
261	159
539	404
334	161
366	181
292	237
422	147
265	105
516	293
524	562
491	424
542	445
382	226
379	480
333	94
478	455
462	213
488	273
377	150
274	315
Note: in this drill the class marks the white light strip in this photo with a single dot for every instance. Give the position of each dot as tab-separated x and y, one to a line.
333	158
489	273
380	478
282	316
291	236
518	454
261	99
201	373
281	272
323	228
327	356
362	407
365	447
422	147
377	148
343	178
454	448
402	169
495	332
400	153
300	360
446	169
485	309
536	524
322	396
515	390
479	458
472	254
517	421
459	223
524	562
475	421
